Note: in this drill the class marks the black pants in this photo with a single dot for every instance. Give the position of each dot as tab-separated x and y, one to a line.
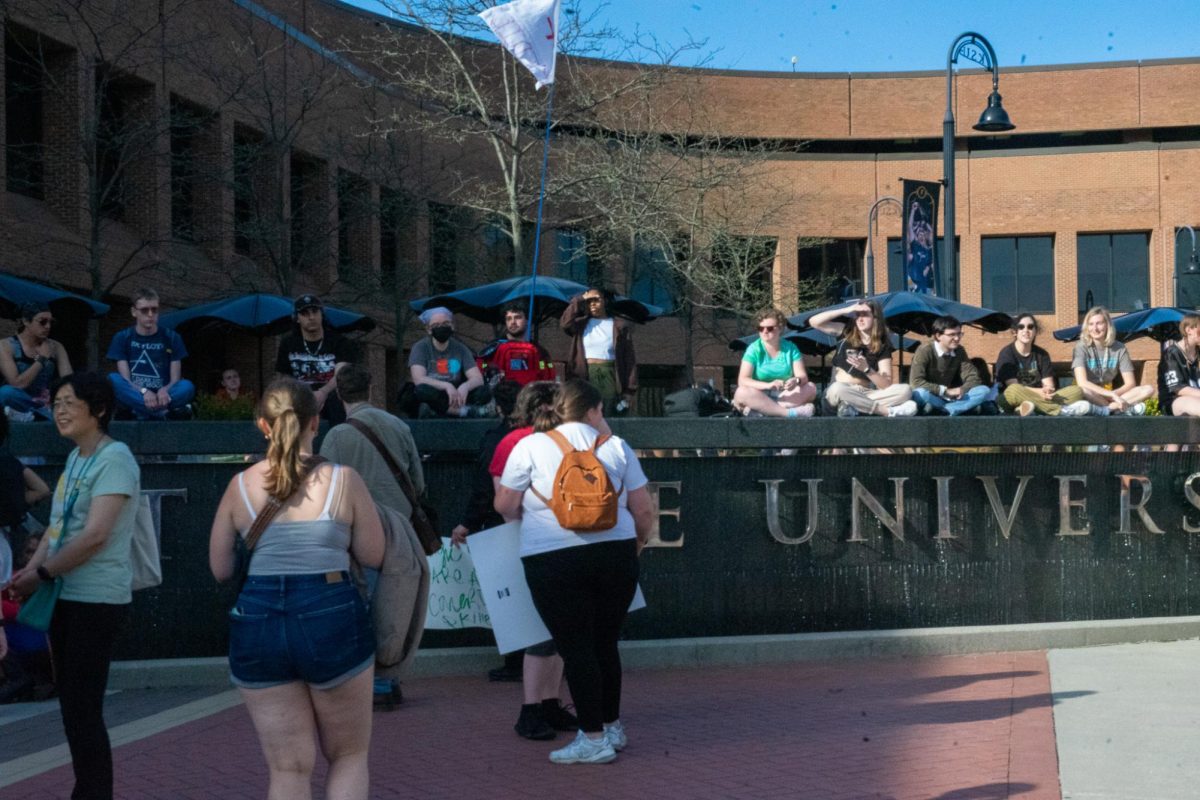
81	642
439	402
583	594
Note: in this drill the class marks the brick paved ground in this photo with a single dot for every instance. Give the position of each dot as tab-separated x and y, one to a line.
966	727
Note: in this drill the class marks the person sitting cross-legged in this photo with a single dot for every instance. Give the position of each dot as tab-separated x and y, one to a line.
1098	359
1026	377
862	365
772	380
149	379
943	378
30	363
1179	372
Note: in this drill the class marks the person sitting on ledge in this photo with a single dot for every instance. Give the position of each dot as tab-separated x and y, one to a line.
1026	377
231	387
1179	372
862	364
148	381
444	375
1097	361
30	363
772	381
943	378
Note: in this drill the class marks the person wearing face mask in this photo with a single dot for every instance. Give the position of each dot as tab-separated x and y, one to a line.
601	349
1026	377
445	378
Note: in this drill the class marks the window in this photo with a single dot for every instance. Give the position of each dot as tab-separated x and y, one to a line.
247	147
354	216
1113	270
652	278
837	262
571	257
1188	294
310	224
949	278
1017	273
392	207
449	246
187	122
24	95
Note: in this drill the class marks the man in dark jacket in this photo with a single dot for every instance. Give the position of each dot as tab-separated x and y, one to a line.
601	349
943	379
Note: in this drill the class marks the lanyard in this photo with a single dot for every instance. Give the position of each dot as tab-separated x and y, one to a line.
72	486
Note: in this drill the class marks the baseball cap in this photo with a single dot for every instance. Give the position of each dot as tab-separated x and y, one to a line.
307	301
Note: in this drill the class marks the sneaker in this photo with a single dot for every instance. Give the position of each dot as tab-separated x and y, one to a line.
505	674
1080	408
803	411
585	751
615	733
845	410
1136	410
1100	411
184	412
906	409
532	725
387	699
558	717
18	416
1026	408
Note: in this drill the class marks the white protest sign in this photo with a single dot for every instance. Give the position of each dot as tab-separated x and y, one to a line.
455	600
515	621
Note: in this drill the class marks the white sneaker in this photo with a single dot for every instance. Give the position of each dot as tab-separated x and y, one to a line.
1100	411
906	409
585	751
1136	410
1080	408
615	734
18	416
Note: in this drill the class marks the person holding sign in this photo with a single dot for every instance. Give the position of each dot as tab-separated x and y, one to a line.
582	579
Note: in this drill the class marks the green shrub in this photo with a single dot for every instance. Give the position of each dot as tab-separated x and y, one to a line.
212	407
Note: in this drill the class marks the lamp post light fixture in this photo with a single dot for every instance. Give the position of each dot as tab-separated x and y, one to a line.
1193	266
972	47
872	215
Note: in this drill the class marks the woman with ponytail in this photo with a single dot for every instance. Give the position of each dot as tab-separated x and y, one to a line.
301	647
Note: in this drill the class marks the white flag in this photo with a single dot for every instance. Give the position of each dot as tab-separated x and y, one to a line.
529	30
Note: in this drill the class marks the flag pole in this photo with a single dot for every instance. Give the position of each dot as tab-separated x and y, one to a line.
537	235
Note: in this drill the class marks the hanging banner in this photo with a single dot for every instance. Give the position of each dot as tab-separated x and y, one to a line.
920	236
529	30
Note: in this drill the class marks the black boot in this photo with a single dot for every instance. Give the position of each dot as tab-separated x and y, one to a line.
513	669
556	714
532	724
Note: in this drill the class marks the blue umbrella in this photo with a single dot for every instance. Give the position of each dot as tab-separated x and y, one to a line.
15	292
1160	323
262	314
551	295
910	312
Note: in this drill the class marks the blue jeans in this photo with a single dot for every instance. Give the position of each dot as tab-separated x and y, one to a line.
930	403
19	400
287	628
130	397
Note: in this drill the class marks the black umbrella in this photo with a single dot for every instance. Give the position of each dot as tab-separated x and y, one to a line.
486	303
16	292
1160	323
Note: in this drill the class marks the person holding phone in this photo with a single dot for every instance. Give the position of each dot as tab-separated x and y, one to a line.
772	380
862	364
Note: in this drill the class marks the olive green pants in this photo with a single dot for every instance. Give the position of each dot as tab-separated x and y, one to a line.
1016	394
604	377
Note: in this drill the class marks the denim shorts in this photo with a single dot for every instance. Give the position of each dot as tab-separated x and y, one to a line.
311	628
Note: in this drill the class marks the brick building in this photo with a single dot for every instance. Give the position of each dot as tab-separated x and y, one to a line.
209	148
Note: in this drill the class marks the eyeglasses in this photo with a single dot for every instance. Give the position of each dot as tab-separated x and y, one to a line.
67	405
147	310
1026	327
952	334
766	328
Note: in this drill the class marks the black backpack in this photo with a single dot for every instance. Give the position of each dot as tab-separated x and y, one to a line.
697	401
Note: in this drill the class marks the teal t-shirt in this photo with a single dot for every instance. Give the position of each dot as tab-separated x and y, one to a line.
106	576
772	369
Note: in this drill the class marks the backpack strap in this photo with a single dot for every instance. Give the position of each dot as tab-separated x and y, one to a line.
596	445
562	442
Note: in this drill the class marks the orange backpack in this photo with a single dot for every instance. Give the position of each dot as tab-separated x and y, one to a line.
582	496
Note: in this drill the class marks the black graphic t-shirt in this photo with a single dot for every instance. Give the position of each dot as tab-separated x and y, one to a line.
312	362
1027	370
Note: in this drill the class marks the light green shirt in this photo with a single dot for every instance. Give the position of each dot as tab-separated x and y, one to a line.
772	369
106	576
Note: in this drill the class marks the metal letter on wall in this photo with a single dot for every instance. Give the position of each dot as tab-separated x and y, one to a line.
1065	504
943	507
655	488
1140	507
773	525
859	495
1004	519
1192	498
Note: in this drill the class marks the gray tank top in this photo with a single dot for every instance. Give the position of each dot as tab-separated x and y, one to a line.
301	547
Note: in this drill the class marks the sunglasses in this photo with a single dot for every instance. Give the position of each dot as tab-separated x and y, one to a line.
1026	327
766	328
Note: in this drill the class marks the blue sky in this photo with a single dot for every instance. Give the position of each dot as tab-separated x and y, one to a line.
895	35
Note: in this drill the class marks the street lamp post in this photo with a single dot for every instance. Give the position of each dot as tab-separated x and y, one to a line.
869	278
994	119
1193	266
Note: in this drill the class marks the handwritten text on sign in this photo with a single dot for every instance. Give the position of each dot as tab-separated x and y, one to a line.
455	600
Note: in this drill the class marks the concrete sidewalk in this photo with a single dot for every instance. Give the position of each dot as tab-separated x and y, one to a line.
969	727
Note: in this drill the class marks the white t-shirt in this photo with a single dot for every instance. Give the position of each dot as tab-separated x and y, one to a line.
598	340
536	458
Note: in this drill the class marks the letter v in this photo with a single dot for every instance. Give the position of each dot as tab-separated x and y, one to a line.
1004	519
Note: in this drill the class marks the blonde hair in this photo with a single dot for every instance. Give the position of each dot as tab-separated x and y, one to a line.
287	408
1110	337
